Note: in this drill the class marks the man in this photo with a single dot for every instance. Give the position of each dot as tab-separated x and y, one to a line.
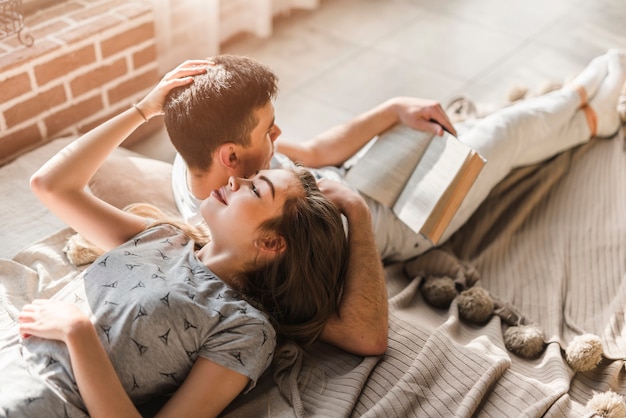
223	124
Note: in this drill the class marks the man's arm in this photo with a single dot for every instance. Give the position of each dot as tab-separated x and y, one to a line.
336	145
361	324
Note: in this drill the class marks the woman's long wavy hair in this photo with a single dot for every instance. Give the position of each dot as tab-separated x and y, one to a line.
300	289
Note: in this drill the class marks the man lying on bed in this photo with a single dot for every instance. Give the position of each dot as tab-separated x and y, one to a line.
223	124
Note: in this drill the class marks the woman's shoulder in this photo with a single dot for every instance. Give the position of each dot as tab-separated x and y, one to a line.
159	232
159	244
244	340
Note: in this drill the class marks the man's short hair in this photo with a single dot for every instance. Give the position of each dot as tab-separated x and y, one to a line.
217	107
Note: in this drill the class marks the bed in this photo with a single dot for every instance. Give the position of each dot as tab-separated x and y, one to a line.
549	244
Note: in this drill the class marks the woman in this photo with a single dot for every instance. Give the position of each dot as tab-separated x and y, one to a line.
160	313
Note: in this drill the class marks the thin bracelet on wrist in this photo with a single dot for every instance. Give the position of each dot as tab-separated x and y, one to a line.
140	112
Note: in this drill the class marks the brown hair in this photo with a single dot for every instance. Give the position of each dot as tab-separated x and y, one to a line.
217	107
300	289
198	233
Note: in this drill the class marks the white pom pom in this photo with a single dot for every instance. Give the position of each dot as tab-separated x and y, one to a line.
80	251
621	107
584	352
516	93
524	340
608	405
548	86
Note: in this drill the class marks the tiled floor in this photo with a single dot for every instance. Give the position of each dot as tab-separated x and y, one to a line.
349	55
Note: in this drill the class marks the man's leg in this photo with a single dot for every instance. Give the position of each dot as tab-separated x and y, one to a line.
522	134
534	130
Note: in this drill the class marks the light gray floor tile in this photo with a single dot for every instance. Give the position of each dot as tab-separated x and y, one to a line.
532	67
301	117
589	30
449	45
363	21
370	77
521	18
295	51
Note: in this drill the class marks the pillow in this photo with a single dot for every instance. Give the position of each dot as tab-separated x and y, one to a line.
128	177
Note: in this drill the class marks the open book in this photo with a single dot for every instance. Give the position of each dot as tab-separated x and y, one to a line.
422	177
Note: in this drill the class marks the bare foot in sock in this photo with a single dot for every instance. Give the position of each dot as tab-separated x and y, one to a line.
589	80
603	106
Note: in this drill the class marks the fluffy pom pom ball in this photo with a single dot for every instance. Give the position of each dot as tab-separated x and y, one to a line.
516	93
608	405
80	251
526	341
439	291
584	352
475	304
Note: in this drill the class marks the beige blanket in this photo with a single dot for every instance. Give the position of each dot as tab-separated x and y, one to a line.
551	241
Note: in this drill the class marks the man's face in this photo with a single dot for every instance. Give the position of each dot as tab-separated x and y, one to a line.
258	154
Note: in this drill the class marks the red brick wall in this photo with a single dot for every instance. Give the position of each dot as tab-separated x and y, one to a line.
89	61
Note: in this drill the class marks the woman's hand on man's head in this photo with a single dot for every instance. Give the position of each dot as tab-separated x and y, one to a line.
152	104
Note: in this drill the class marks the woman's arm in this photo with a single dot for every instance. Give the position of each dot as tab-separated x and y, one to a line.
95	377
60	183
206	391
336	145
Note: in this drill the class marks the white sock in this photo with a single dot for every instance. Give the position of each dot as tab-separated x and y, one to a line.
604	103
589	80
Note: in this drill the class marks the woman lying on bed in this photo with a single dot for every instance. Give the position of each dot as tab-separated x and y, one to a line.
166	310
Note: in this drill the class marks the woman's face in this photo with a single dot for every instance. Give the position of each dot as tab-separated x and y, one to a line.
234	212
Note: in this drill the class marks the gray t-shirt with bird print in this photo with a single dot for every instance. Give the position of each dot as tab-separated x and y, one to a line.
156	309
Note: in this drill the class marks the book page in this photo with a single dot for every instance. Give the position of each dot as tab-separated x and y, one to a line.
383	170
435	172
